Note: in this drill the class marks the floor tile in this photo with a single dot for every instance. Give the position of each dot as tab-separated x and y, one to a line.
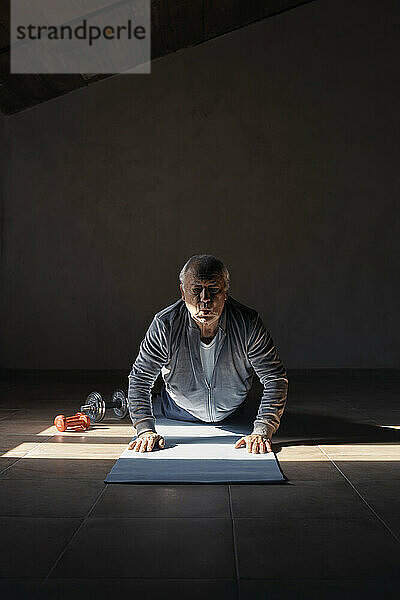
298	452
8	413
362	452
383	496
145	589
315	548
45	468
26	427
18	445
300	462
310	471
5	463
305	463
348	589
18	589
122	500
360	462
85	450
35	542
356	471
151	548
47	498
304	499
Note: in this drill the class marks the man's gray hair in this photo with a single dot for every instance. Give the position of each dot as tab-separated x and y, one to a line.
205	264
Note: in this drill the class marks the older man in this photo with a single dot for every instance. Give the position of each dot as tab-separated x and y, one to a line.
207	347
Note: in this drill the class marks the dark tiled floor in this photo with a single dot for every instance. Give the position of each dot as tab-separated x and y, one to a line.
331	532
56	468
317	589
145	589
362	471
29	545
154	501
47	497
303	500
163	548
384	498
314	548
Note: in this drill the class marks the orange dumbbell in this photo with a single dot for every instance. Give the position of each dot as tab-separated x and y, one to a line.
77	422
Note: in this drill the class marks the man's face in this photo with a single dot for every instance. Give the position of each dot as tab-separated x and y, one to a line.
204	296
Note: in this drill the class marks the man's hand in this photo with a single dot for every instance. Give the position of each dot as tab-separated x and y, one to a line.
255	444
146	441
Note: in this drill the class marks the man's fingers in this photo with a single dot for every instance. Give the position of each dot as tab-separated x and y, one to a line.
146	443
240	443
254	446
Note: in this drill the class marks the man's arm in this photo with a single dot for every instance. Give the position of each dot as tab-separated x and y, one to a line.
267	365
153	355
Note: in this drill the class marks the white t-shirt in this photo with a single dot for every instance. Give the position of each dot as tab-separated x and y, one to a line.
207	354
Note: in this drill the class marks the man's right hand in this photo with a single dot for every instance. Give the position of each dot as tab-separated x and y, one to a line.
146	442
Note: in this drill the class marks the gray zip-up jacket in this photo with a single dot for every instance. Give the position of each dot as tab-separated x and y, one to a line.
172	346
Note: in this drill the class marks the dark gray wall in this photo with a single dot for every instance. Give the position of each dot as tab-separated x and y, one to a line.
275	147
3	159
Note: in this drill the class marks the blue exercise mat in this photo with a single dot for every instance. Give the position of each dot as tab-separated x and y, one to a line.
196	453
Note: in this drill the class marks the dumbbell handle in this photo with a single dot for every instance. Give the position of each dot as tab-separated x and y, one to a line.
113	404
110	404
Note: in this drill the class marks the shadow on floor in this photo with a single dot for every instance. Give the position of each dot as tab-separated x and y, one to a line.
301	428
311	429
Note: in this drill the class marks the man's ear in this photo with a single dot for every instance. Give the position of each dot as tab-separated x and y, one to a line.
182	292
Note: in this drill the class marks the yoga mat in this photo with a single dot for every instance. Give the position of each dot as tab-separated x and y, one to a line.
196	453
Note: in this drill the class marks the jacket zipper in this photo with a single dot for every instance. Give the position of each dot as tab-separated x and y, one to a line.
210	387
211	412
208	399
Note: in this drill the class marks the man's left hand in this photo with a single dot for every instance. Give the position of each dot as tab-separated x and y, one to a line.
255	444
